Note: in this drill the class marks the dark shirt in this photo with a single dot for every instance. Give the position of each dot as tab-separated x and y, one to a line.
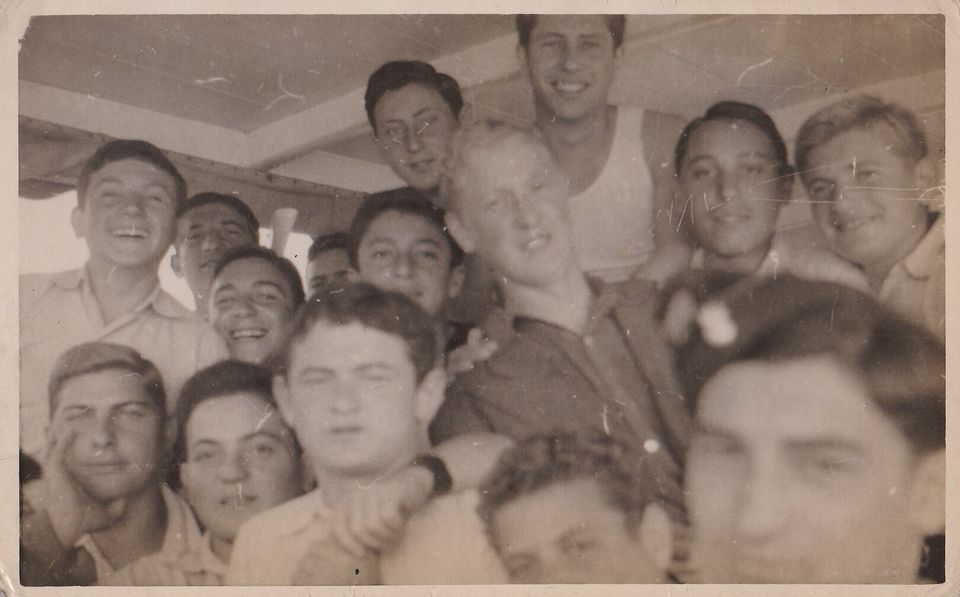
616	378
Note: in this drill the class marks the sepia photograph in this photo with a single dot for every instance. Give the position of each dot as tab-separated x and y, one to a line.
479	301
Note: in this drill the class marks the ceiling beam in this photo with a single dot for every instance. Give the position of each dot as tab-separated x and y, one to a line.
123	121
337	118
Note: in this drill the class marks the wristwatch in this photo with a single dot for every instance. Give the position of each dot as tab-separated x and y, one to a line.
442	483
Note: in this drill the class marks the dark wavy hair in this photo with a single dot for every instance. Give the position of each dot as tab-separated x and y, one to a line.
400	73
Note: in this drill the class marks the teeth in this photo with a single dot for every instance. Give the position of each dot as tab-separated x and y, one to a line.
130	232
240	334
570	87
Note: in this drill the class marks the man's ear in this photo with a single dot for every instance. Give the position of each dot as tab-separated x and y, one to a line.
656	536
175	263
787	176
928	495
927	180
281	393
522	57
430	394
76	221
458	276
460	232
169	435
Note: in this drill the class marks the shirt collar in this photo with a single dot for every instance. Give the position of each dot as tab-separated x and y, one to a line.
605	298
920	263
158	299
206	562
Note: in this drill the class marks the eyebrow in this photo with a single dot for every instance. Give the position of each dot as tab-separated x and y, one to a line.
828	443
258	283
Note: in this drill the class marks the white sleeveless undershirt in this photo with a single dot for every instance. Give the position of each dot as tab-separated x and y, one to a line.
613	218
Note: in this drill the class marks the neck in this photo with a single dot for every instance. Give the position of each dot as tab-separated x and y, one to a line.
140	532
742	263
221	547
561	134
339	487
119	290
565	302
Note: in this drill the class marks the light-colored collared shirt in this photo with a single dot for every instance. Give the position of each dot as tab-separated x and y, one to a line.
198	567
810	263
445	543
916	287
59	311
182	536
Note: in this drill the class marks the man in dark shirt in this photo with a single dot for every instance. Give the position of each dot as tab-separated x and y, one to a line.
586	357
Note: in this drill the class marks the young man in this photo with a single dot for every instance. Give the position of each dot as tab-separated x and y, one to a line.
208	225
585	357
236	457
399	241
128	194
103	501
327	262
255	292
865	166
818	455
617	159
567	510
414	111
358	382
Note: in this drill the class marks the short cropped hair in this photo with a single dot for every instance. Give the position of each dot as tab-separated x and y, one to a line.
728	110
770	320
225	378
235	203
93	357
327	242
283	265
404	200
387	311
541	461
484	135
861	112
129	149
400	73
616	24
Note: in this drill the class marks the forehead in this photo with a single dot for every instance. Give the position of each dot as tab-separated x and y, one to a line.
345	347
330	258
510	161
802	400
103	388
555	510
876	142
570	25
729	136
402	227
133	171
248	272
407	101
211	214
232	416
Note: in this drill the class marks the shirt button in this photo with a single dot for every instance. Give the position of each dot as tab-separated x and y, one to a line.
651	446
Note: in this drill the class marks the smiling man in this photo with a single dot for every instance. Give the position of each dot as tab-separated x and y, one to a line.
616	158
128	194
255	293
585	356
102	499
208	225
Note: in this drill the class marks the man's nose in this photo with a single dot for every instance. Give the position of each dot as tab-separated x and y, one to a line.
764	508
233	468
403	265
103	433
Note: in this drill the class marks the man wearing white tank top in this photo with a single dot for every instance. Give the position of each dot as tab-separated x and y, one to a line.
617	159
